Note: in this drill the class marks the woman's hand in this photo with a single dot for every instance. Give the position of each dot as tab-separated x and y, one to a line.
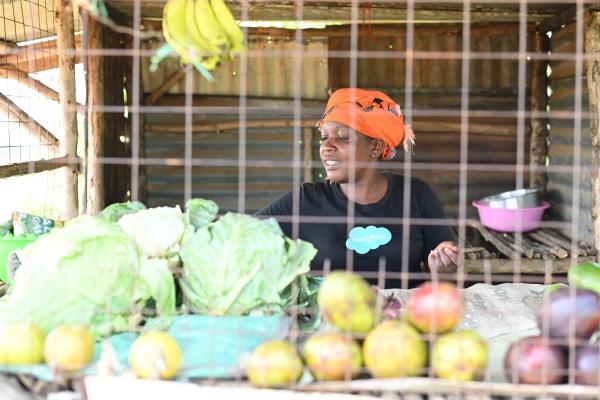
443	258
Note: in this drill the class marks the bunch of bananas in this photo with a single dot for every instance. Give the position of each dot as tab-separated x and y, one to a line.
201	32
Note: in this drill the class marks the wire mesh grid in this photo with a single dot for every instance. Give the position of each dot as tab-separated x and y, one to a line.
249	136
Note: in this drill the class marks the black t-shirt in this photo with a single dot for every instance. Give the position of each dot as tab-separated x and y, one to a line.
369	241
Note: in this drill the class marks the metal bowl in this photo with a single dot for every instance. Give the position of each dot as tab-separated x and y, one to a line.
522	198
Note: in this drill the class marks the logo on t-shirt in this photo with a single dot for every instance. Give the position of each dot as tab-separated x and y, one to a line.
362	240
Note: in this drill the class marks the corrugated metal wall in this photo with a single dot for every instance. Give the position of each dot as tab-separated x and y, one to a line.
436	88
271	71
165	184
561	137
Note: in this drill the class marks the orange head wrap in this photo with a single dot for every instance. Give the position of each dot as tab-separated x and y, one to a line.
371	113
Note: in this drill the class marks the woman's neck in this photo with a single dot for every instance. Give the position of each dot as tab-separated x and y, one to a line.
366	190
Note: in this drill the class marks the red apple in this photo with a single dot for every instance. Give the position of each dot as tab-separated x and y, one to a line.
535	360
435	307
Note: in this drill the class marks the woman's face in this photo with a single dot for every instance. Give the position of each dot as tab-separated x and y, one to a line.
339	145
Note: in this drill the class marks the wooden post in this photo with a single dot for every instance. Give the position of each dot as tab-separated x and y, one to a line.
538	150
308	154
65	35
592	48
95	99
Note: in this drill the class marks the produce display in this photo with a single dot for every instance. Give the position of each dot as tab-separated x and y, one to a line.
133	269
568	315
391	340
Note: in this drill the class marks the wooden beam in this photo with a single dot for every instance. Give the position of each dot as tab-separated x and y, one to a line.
32	167
555	22
34	128
307	140
37	57
95	118
378	29
538	146
524	266
10	71
165	86
419	125
227	125
592	47
64	24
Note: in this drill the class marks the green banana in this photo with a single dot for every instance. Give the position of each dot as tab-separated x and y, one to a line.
209	27
196	36
229	24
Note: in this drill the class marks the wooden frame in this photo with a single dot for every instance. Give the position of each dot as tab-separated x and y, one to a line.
592	46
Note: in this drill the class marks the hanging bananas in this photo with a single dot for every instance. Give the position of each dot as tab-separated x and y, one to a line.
201	32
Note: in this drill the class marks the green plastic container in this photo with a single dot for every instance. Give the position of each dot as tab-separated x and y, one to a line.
7	245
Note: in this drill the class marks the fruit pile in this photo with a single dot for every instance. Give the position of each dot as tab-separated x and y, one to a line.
567	320
69	348
201	32
390	348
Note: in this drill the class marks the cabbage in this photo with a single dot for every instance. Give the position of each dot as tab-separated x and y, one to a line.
114	212
241	265
200	212
156	231
89	272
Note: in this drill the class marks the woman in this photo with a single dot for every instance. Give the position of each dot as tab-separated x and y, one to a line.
359	129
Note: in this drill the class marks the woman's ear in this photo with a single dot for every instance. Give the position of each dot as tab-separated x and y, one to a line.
377	147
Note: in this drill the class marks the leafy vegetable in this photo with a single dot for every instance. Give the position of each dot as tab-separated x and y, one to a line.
6	227
157	231
114	212
200	212
241	265
88	272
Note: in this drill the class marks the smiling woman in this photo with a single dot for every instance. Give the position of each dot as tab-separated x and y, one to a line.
359	130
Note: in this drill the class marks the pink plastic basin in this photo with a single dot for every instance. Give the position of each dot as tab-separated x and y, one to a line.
511	219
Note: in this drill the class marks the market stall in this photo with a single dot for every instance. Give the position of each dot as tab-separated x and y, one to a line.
135	268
